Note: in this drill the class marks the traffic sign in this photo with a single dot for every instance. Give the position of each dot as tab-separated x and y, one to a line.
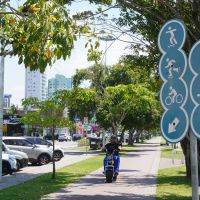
172	36
174	125
173	94
194	64
172	65
174	91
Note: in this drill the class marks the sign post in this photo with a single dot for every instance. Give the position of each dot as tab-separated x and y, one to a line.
174	92
194	166
195	119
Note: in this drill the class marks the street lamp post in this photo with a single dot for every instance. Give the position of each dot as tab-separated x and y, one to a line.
1	109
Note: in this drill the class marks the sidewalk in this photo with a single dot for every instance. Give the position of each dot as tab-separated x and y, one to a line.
137	179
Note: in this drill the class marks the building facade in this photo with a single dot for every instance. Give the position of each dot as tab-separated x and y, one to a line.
35	84
60	82
6	100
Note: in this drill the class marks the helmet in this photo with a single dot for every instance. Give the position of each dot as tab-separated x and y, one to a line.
113	137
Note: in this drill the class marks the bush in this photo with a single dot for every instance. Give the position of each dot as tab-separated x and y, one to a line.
83	142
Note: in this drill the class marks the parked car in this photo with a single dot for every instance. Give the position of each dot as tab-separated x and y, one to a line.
9	164
36	154
58	151
76	136
21	157
49	137
64	137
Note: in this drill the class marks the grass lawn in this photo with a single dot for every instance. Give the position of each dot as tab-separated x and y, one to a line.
167	152
34	189
173	185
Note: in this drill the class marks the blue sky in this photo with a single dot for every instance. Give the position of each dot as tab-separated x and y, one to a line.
15	74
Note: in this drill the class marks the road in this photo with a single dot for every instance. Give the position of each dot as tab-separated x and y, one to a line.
27	173
137	179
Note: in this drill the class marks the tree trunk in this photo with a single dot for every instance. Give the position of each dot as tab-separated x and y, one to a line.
185	145
114	128
53	160
130	138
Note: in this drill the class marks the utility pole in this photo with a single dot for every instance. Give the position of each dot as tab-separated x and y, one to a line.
1	109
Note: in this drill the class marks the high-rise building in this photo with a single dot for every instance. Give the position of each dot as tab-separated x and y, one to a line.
60	82
35	84
6	100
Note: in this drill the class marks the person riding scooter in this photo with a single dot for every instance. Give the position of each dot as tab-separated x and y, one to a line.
113	147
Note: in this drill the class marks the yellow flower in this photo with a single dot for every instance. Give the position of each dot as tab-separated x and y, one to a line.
35	7
12	21
48	53
53	18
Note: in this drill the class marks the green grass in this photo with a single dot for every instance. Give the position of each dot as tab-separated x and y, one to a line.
82	148
172	184
167	152
36	188
163	141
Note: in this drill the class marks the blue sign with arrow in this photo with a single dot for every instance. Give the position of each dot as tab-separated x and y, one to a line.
174	92
174	125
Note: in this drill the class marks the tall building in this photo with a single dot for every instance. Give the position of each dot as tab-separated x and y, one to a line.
35	84
6	100
60	82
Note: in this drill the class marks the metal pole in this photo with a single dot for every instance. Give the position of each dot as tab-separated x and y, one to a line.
194	166
106	54
173	153
1	109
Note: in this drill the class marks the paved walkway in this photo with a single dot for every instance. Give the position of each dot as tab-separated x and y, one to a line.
137	179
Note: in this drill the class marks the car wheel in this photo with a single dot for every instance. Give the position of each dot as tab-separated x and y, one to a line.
18	165
57	155
44	159
6	168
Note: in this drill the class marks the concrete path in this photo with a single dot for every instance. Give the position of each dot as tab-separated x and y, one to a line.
137	179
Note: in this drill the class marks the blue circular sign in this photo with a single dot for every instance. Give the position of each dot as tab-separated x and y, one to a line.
174	125
194	58
173	94
195	121
172	35
172	65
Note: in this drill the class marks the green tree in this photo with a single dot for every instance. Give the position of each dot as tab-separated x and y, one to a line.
12	110
144	111
78	101
48	114
145	18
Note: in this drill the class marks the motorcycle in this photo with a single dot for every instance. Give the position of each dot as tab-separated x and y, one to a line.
109	169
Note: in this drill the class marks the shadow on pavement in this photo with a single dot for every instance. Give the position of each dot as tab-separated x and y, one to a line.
82	152
123	196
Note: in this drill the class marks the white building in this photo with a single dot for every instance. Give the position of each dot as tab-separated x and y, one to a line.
35	84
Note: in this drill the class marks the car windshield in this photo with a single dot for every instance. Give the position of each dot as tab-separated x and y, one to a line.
38	140
62	134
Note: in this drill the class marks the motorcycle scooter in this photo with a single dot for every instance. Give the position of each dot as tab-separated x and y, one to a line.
109	169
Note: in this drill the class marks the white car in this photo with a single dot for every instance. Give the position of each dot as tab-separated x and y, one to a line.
58	151
64	137
9	164
21	157
36	154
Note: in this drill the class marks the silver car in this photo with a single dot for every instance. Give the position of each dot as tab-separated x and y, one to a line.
58	151
21	157
36	154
